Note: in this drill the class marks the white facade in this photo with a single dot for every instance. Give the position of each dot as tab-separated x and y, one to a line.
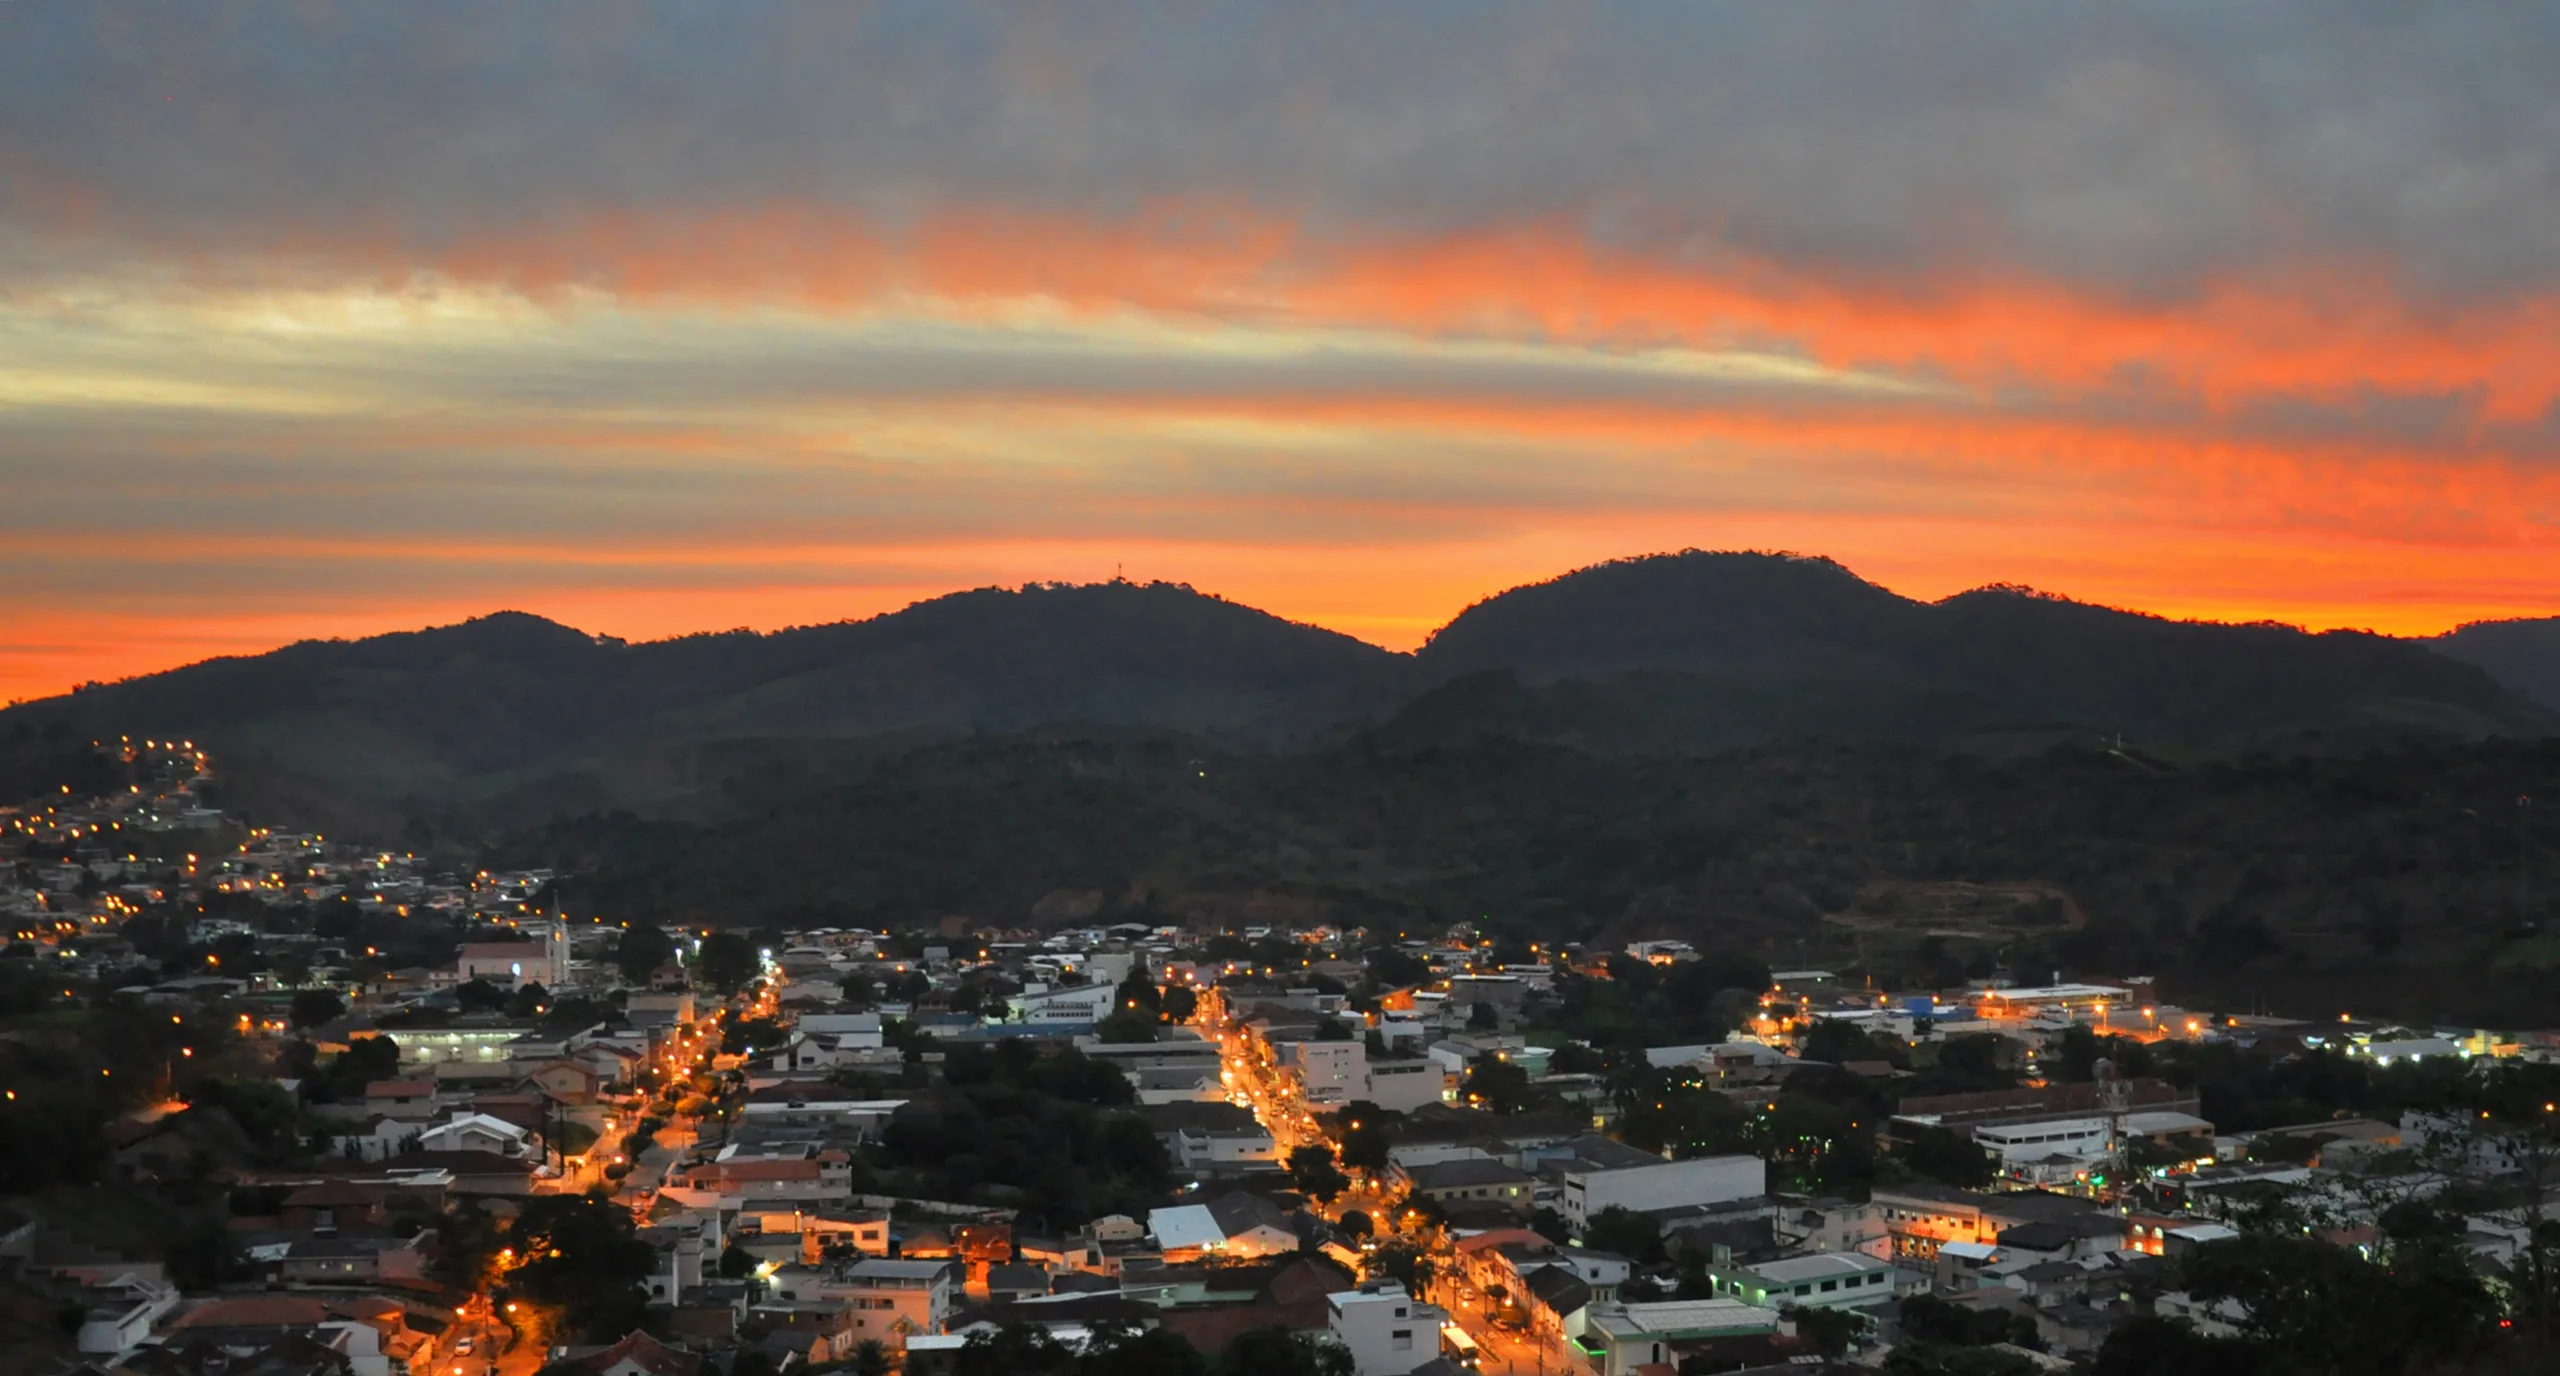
479	1132
1076	1003
511	963
2015	1143
1823	1280
1331	1073
860	1030
1403	1086
1387	1331
1701	1180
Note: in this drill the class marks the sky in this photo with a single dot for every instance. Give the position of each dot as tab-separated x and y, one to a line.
322	320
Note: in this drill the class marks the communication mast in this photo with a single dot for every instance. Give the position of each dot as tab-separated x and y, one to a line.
2115	1100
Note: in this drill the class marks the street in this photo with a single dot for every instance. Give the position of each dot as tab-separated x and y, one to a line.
1271	1097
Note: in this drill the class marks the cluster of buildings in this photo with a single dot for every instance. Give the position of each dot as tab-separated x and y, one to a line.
762	1234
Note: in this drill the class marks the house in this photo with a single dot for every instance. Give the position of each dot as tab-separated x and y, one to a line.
568	1081
1472	1180
1386	1331
1213	1136
119	1313
891	1300
1556	1300
1819	1280
1234	1225
406	1100
636	1355
382	1140
1626	1337
1920	1218
802	1173
479	1132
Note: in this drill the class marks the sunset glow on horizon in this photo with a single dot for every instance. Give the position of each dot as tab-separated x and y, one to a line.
331	323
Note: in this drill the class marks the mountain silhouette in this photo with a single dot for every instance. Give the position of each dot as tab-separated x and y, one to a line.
1683	652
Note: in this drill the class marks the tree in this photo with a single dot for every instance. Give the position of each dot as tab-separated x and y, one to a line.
1116	1350
1356	1224
312	1007
1949	1158
641	951
752	1362
1484	1017
1366	1132
529	999
1498	1086
1625	1232
578	1257
2324	1308
1836	1042
1931	1321
737	1263
871	1358
1311	1169
477	995
1392	967
1128	1027
1179	1004
858	987
726	961
1831	1331
1279	1352
1016	1349
1406	1263
2148	1345
1138	994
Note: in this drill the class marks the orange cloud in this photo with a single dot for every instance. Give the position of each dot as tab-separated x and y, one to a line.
2328	328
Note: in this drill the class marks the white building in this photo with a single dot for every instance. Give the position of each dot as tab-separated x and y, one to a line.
860	1030
1405	1085
1387	1331
1823	1280
508	964
480	1132
1072	1004
1328	1073
1700	1180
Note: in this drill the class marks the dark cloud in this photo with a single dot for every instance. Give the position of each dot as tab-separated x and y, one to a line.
2141	150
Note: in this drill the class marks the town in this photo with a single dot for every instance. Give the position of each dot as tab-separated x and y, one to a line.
281	1105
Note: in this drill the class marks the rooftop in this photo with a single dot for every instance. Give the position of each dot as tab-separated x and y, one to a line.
1818	1266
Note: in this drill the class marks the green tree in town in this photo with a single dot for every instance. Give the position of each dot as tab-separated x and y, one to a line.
578	1257
1280	1352
1406	1263
1312	1171
1498	1086
312	1007
1949	1158
641	951
1625	1232
726	961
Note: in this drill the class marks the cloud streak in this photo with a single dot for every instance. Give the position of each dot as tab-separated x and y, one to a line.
331	320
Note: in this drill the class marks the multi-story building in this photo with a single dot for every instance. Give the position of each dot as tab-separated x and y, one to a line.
1588	1189
893	1300
1328	1074
1387	1331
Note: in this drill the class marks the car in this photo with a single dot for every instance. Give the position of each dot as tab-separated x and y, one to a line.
462	1348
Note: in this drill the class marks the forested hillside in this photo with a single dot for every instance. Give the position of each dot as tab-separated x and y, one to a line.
2407	881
